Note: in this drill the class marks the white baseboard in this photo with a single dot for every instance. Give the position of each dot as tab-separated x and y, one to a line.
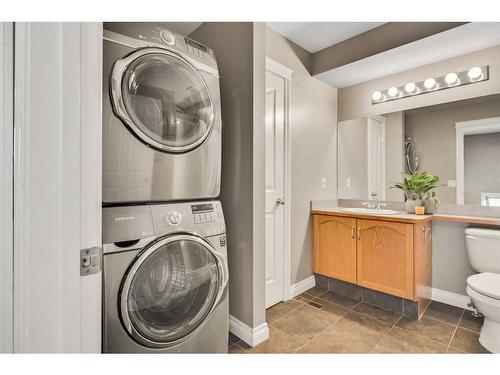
450	298
252	336
301	287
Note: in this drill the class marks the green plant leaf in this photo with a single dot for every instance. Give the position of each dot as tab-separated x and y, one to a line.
417	186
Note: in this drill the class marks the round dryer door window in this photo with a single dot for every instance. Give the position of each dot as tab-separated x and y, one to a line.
163	99
170	290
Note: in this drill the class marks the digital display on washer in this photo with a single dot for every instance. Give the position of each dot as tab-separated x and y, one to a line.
194	44
202	208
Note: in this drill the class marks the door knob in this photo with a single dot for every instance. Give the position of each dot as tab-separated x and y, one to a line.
280	202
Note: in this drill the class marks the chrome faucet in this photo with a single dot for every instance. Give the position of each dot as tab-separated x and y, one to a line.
374	203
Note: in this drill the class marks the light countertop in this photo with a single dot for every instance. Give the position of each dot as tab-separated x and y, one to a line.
331	208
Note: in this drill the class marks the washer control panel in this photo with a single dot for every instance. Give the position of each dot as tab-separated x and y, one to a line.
203	217
173	218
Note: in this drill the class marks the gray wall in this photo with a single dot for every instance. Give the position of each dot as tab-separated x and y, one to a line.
313	139
239	48
481	166
450	262
433	129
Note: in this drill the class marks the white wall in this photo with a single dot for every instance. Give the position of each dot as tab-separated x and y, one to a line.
57	186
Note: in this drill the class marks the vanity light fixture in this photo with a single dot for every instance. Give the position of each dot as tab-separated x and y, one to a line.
452	79
475	73
377	96
410	88
431	84
393	92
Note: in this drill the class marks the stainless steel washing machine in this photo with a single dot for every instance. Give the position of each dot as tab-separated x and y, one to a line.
161	118
165	279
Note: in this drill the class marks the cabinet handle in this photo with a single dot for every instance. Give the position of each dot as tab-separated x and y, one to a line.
359	233
352	232
427	232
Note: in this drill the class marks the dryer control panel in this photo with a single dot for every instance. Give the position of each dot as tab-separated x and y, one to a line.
184	44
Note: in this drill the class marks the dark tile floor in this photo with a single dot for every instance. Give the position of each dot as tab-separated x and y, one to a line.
319	321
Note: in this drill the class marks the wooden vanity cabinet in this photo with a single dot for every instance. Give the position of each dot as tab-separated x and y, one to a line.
335	247
385	257
388	256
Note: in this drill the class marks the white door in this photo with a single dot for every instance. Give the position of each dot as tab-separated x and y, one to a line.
376	157
275	158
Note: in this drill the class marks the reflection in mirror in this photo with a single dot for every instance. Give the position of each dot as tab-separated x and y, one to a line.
482	168
425	140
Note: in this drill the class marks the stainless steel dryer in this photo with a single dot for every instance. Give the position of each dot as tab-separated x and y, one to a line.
165	279
161	118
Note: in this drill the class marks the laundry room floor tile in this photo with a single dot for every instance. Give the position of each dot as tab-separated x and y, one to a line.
319	321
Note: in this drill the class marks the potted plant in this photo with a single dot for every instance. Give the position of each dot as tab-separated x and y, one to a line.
416	187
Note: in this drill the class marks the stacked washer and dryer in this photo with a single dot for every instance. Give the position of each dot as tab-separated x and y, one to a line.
165	271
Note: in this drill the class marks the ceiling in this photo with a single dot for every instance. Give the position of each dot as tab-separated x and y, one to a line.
314	36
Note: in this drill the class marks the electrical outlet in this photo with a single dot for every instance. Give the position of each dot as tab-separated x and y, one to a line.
348	183
452	183
323	183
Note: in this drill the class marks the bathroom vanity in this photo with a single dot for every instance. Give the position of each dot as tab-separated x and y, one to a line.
385	260
389	254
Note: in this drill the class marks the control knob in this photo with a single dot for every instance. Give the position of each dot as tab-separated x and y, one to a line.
168	37
174	218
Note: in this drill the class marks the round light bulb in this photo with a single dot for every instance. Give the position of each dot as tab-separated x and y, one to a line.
393	92
430	83
376	96
410	87
475	73
451	78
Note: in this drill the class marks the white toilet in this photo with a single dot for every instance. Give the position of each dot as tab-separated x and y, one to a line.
483	247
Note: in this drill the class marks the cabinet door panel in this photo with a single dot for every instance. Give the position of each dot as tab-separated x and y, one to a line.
334	247
385	257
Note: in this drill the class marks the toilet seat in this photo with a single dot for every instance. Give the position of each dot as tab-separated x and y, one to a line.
486	283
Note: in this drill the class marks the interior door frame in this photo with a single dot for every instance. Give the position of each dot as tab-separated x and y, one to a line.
369	161
286	73
463	128
74	51
6	186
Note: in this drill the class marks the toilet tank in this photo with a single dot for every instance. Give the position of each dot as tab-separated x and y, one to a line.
483	248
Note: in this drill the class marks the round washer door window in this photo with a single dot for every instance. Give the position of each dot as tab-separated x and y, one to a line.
163	100
169	291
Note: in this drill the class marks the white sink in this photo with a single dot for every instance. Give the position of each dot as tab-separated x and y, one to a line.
370	211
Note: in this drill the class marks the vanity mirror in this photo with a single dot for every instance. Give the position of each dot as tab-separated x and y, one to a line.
457	141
